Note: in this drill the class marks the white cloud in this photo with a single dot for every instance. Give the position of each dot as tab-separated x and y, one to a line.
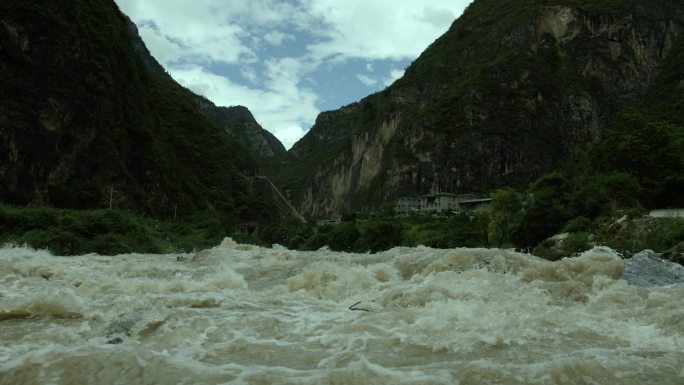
367	80
250	74
283	108
277	38
192	39
437	16
289	135
165	50
386	81
381	29
394	75
202	33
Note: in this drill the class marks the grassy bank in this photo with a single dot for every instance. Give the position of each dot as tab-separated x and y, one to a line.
627	235
107	232
634	233
375	234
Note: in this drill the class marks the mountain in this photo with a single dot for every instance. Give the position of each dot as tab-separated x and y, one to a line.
240	124
503	97
237	121
86	122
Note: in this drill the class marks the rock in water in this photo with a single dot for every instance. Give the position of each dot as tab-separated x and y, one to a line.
121	327
646	268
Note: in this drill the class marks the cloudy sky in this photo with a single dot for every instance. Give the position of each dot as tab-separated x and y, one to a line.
288	60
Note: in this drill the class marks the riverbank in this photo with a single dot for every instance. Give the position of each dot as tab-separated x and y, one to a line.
110	232
106	232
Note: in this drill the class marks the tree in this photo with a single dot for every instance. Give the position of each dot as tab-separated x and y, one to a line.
505	215
652	151
547	212
379	237
343	236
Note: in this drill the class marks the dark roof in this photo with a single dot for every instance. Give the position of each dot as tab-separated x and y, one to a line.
479	200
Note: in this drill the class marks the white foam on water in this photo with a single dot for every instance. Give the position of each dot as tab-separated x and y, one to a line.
241	314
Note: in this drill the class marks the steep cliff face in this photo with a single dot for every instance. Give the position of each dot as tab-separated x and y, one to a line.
501	98
85	123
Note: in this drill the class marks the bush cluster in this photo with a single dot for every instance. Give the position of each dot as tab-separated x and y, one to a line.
107	232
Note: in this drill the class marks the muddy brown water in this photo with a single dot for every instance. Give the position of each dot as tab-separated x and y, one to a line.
239	314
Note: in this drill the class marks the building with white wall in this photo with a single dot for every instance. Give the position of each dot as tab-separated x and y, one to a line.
439	203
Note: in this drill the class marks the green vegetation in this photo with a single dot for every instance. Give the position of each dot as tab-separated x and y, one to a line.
594	5
107	232
506	206
635	234
87	125
659	234
494	228
374	234
497	81
70	232
637	163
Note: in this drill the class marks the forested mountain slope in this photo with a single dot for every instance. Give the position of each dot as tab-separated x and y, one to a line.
503	97
86	123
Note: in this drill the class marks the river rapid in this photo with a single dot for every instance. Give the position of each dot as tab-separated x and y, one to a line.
240	314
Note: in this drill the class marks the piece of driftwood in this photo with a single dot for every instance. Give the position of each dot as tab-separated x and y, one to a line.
353	307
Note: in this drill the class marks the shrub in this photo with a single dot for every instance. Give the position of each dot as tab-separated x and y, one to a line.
58	241
343	237
577	224
109	244
379	237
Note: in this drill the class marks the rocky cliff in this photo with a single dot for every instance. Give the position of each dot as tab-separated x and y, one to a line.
501	98
86	122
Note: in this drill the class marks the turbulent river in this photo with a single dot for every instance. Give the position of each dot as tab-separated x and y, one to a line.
239	314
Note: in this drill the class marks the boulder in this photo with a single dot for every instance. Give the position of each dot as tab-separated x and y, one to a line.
647	268
618	225
121	327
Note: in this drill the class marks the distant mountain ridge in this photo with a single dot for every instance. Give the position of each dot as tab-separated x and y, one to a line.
87	121
240	124
504	96
237	121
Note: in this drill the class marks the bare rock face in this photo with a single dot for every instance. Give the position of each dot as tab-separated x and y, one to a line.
502	98
355	170
647	268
